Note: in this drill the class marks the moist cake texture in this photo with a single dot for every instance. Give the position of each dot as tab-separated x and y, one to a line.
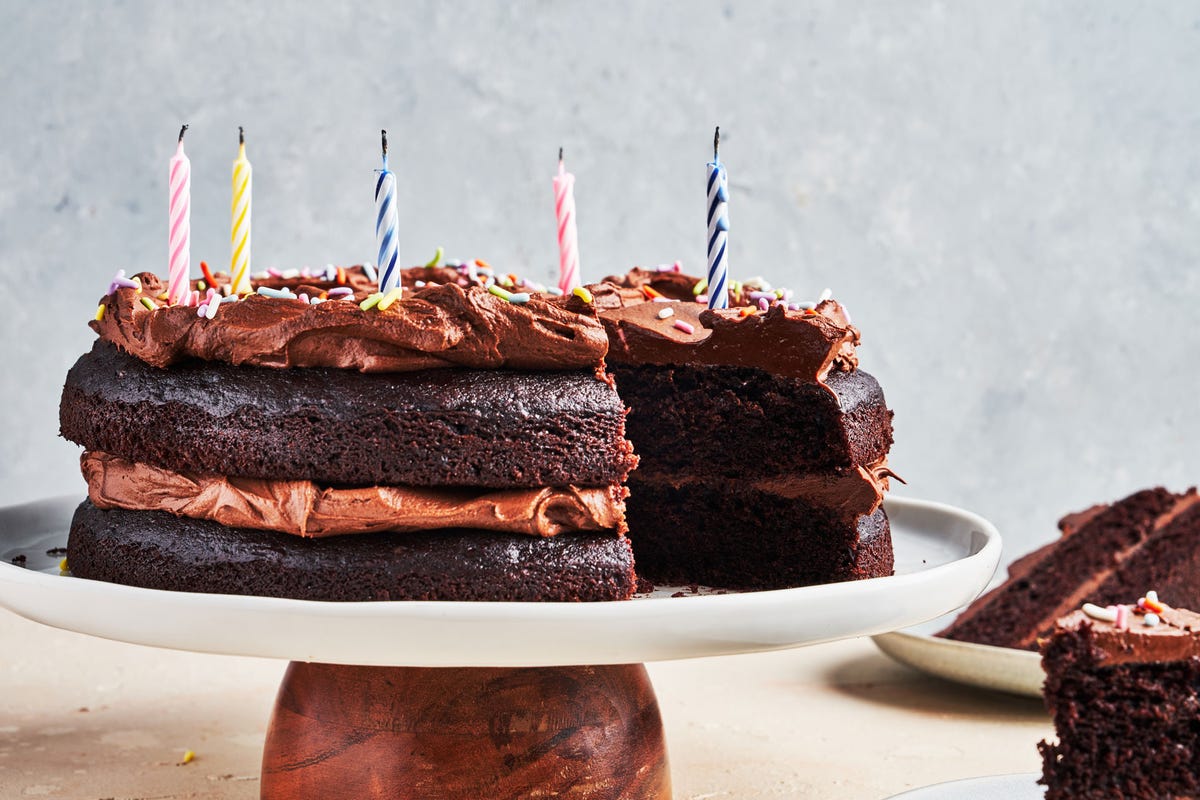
1124	695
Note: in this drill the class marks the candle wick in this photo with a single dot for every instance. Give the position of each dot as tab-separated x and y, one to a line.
560	155
383	136
181	132
716	143
241	135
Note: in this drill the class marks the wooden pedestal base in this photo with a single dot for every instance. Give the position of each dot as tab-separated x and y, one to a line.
586	733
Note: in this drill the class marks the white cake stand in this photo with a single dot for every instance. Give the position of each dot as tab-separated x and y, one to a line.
455	700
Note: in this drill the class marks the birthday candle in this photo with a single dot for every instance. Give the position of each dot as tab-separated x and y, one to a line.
386	224
568	236
718	228
180	217
239	265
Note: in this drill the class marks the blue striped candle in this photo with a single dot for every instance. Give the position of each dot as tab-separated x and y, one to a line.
386	224
718	228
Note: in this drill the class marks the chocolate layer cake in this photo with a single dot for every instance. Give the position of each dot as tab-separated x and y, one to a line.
317	440
1105	555
1124	695
763	448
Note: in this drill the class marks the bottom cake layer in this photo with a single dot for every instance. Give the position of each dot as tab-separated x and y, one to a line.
155	550
737	537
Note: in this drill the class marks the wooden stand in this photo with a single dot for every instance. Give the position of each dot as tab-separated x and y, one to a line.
586	733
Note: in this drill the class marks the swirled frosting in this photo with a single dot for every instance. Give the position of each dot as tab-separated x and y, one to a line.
442	325
1176	638
306	509
800	344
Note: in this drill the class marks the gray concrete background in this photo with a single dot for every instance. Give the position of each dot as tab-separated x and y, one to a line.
1006	195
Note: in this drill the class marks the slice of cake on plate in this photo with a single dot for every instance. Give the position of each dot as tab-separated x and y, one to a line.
1106	554
1123	687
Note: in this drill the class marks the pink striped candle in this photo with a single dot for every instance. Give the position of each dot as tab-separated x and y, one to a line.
180	215
568	236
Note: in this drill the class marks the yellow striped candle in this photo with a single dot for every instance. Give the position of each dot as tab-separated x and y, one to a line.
239	266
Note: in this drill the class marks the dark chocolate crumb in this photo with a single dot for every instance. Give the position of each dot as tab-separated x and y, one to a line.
19	560
56	551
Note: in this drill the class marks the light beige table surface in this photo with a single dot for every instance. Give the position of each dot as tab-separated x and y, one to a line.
86	718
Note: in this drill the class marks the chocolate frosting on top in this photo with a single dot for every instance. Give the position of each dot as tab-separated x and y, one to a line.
1175	639
443	325
453	321
798	344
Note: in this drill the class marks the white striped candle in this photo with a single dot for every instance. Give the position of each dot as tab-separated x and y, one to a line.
568	235
718	228
180	218
386	224
239	236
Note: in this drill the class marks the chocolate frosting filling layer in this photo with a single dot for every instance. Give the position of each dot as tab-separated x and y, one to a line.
444	325
306	509
1175	639
850	493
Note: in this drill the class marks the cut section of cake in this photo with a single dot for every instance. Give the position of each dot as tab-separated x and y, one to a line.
763	448
1123	688
1105	555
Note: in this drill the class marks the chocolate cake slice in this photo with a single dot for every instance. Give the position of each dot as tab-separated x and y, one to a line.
1124	695
1151	538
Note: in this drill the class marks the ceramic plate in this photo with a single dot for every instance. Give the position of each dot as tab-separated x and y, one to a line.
997	787
1000	668
944	557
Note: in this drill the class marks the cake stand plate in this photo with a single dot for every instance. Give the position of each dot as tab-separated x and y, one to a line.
1003	669
944	557
457	700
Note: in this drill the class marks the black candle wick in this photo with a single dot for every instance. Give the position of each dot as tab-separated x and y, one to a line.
181	132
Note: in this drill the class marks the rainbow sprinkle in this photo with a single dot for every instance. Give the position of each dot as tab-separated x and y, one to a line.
666	312
500	292
338	291
583	294
148	303
283	294
99	312
684	326
386	301
371	302
436	261
1100	612
700	287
